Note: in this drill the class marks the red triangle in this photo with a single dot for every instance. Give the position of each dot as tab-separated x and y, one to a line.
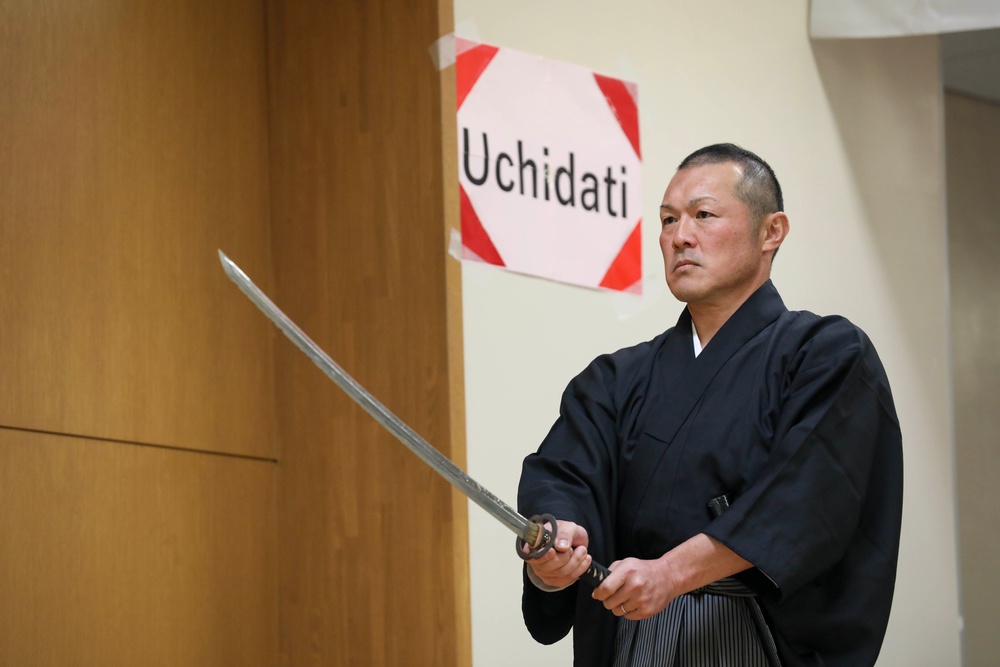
626	270
474	235
469	66
622	105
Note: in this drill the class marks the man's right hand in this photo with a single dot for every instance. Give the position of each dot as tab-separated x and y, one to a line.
567	560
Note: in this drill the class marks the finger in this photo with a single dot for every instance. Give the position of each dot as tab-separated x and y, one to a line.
571	534
549	565
583	566
610	586
568	574
556	561
563	544
629	606
571	570
575	564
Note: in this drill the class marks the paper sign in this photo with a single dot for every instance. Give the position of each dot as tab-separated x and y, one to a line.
550	169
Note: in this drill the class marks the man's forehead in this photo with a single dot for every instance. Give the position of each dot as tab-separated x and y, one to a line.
700	182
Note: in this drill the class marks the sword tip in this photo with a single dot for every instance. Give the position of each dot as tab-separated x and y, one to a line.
229	266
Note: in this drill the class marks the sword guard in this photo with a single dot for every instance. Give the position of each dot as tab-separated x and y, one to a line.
548	538
595	574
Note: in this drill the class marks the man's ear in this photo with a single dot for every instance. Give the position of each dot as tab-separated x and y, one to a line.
773	229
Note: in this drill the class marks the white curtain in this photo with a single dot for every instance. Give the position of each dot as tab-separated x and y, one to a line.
893	18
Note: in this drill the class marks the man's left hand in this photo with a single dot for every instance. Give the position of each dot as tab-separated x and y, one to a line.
637	589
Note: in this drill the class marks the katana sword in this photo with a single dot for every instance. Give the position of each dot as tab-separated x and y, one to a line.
535	536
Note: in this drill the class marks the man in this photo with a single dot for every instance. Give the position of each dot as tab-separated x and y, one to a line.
741	472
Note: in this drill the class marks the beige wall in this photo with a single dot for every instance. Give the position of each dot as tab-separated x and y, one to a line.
973	147
854	131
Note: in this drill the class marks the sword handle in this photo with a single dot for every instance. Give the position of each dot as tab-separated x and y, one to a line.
595	574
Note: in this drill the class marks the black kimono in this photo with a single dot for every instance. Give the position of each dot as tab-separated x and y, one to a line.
787	414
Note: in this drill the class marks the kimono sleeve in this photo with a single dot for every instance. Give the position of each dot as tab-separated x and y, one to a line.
829	500
573	477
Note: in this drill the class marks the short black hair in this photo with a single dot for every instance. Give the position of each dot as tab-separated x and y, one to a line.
758	188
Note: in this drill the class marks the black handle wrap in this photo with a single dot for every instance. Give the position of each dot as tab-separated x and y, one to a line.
595	574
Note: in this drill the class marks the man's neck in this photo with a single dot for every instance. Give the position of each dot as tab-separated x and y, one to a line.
707	322
708	318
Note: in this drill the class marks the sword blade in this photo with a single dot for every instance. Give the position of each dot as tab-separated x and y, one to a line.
519	525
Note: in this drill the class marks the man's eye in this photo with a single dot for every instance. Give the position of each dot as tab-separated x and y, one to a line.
703	214
668	220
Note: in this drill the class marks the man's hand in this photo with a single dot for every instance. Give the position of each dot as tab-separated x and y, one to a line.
567	560
637	588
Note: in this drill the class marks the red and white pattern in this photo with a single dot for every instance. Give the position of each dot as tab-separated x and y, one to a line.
550	168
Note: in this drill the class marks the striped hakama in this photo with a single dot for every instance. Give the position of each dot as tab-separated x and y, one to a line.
724	628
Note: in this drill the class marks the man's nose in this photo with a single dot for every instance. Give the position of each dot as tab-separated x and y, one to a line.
683	232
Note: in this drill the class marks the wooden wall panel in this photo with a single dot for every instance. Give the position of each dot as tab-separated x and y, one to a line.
117	554
373	544
972	135
133	144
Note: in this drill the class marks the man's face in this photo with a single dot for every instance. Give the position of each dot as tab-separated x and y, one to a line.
711	253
